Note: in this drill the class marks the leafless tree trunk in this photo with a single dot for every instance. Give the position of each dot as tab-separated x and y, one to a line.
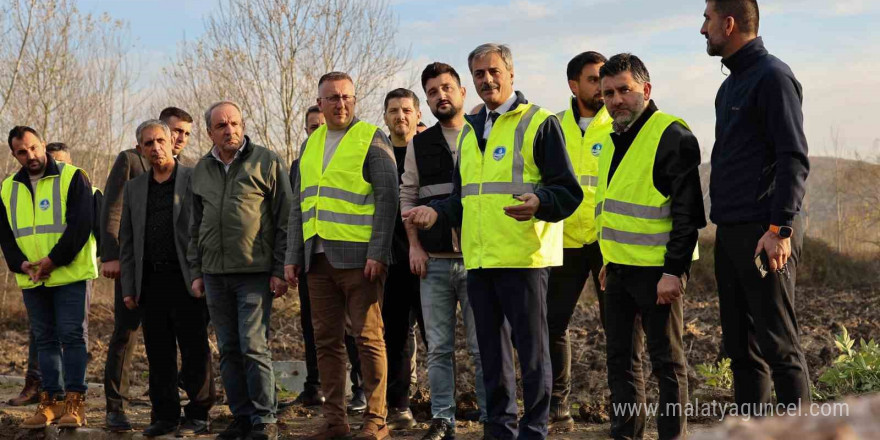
267	55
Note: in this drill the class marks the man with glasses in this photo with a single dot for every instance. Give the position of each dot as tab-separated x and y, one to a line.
341	222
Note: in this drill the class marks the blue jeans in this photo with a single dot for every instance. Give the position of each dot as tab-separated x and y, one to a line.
442	290
57	317
240	306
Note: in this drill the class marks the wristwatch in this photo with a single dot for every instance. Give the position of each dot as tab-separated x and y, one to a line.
782	231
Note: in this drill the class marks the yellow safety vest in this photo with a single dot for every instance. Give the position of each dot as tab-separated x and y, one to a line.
583	151
489	181
634	219
37	231
337	203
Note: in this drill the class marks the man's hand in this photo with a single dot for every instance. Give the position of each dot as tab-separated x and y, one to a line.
291	274
423	217
278	286
110	269
30	270
526	210
198	287
44	268
669	289
603	273
129	303
778	249
418	261
374	269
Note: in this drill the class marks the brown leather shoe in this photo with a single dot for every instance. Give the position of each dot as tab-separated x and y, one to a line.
48	411
74	411
371	431
331	433
29	395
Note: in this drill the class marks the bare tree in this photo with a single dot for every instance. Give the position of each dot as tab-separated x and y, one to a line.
66	74
267	55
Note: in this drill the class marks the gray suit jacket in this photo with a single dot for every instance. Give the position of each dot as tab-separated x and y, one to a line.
129	164
134	222
381	171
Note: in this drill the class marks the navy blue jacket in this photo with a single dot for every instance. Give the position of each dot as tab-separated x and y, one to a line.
560	193
759	162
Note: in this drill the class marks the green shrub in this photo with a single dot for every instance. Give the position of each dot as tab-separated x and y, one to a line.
855	371
718	375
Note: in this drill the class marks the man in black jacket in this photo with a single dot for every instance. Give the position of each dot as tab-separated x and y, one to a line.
759	172
648	229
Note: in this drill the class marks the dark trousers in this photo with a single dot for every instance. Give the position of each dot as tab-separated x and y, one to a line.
519	297
172	318
760	330
564	290
400	311
33	365
313	378
122	345
629	292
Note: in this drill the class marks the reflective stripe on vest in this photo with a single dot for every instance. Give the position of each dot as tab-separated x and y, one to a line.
337	203
37	229
490	180
440	189
583	150
634	219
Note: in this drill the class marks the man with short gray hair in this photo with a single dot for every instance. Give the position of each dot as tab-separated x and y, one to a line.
153	238
513	183
241	199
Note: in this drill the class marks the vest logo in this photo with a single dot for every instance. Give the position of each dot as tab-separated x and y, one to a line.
499	153
596	150
44	204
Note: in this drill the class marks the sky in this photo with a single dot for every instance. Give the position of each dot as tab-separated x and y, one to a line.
833	48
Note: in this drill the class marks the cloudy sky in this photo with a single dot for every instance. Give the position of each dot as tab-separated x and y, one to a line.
829	44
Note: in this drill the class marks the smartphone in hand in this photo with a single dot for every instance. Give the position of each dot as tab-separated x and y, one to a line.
761	263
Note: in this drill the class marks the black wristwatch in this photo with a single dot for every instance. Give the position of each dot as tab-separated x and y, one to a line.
782	231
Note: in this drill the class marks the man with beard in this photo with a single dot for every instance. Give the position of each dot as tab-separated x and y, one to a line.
46	215
401	307
512	184
586	124
435	255
758	181
648	236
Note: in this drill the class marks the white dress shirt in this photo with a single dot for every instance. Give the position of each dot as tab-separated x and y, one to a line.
502	109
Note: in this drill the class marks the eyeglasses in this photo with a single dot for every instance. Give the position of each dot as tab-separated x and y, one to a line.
348	99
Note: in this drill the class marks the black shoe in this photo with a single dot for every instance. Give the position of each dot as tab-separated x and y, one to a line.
310	397
440	430
400	419
238	430
264	431
160	427
560	417
192	427
358	403
471	415
117	421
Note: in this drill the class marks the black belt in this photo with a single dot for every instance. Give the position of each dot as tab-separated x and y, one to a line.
161	266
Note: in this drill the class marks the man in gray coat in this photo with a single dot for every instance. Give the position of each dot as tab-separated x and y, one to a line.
129	164
241	200
155	279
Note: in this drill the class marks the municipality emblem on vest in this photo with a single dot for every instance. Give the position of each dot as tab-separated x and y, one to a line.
44	204
596	150
499	153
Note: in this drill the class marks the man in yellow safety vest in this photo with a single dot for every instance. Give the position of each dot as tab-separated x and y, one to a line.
649	207
46	218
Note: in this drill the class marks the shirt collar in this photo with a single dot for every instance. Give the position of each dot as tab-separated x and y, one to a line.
216	151
503	108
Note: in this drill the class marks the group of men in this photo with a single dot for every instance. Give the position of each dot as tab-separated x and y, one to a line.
502	214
